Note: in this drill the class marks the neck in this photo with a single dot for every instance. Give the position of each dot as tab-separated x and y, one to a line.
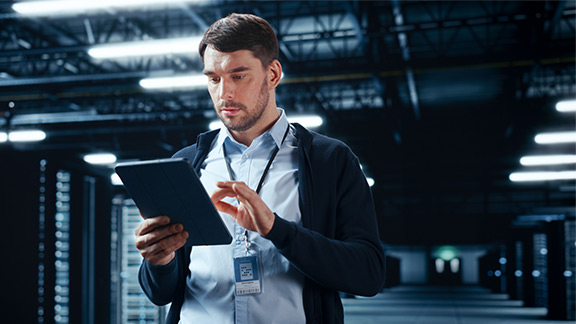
266	122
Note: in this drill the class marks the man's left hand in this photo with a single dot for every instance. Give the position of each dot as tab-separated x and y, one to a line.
251	213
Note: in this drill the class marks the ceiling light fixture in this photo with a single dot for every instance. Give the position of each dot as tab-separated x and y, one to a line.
548	159
99	158
187	45
3	137
176	82
566	106
310	121
555	138
26	136
370	181
542	176
63	7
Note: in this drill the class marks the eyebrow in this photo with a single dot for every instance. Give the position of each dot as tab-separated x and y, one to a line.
234	70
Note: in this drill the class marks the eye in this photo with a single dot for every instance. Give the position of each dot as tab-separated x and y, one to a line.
239	77
214	80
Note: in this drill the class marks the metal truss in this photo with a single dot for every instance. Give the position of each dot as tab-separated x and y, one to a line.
381	51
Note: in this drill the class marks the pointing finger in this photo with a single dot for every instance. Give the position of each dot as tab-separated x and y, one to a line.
226	208
219	194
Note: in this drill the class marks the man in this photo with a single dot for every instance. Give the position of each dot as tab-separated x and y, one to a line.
296	202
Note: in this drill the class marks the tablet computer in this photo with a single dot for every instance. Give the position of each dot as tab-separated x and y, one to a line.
170	187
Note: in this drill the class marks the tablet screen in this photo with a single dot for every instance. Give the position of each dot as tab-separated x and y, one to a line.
170	187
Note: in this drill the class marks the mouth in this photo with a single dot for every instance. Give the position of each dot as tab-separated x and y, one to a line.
230	111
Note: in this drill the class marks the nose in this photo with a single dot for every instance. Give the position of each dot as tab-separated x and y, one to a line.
226	90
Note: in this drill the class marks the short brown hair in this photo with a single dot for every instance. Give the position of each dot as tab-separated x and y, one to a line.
242	32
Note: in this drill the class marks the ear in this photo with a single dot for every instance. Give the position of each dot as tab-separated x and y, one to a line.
274	74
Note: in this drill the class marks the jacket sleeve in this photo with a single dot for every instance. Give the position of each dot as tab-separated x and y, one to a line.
161	283
340	249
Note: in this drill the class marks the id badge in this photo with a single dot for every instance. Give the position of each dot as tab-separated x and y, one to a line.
247	276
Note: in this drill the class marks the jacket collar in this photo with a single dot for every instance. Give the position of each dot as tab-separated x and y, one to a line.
203	144
205	140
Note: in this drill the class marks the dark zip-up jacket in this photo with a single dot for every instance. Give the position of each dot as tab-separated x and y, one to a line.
337	247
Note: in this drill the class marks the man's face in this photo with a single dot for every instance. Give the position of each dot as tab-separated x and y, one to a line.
238	86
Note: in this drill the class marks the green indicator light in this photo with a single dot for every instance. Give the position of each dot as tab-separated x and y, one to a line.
447	254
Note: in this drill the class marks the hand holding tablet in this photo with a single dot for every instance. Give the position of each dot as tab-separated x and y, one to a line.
157	240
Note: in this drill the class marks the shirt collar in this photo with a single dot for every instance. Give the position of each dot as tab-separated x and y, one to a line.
279	129
276	131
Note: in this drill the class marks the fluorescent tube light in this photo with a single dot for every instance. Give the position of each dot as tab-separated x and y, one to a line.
556	138
191	81
181	82
307	121
26	136
62	7
146	48
100	158
548	159
311	121
566	106
542	176
3	137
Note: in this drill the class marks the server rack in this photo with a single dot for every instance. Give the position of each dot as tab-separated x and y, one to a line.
130	304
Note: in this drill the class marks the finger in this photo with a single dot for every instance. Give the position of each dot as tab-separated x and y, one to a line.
227	184
244	194
220	194
172	243
151	224
242	189
230	189
163	252
177	241
261	217
226	208
152	237
164	232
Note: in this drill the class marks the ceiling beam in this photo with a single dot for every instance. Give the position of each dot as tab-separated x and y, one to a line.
403	42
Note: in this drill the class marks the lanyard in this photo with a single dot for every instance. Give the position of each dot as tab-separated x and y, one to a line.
272	157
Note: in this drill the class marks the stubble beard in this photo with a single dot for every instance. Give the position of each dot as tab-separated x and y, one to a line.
249	118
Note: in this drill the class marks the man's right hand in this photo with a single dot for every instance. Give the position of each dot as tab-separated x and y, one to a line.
157	242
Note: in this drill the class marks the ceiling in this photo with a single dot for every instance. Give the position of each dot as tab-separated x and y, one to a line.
439	99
